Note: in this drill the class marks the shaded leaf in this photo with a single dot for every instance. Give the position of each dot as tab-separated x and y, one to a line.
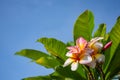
84	26
71	43
67	73
115	38
54	47
115	61
53	76
38	78
101	31
57	76
81	71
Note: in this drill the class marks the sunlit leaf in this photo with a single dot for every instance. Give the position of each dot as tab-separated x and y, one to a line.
32	54
48	62
84	26
39	57
54	47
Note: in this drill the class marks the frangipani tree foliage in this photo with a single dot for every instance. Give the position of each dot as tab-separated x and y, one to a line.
92	56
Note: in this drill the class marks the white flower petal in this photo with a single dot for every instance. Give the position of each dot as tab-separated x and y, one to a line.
92	64
94	40
67	62
97	39
85	59
74	66
88	51
69	54
100	58
98	45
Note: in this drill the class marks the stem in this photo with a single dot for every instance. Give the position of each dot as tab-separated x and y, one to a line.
101	72
90	75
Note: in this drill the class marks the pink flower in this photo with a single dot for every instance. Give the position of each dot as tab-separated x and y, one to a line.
87	53
78	54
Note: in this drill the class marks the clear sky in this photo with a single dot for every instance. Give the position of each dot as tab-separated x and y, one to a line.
22	22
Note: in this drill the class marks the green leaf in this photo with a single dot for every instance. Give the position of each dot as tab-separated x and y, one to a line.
54	47
53	76
67	73
115	61
57	76
101	31
81	71
115	38
48	62
38	78
30	53
71	43
84	25
39	57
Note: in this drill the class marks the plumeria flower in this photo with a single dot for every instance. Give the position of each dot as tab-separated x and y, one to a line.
96	46
78	54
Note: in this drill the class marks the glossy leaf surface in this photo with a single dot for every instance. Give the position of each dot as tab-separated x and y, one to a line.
115	38
39	57
101	31
32	54
66	72
54	47
84	25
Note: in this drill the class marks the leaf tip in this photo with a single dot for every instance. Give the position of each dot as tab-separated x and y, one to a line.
118	18
21	52
41	39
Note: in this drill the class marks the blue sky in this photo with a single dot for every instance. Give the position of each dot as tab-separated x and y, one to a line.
22	22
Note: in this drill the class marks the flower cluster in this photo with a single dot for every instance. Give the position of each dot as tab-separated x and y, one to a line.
87	53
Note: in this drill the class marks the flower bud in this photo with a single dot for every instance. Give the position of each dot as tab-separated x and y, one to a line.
107	45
